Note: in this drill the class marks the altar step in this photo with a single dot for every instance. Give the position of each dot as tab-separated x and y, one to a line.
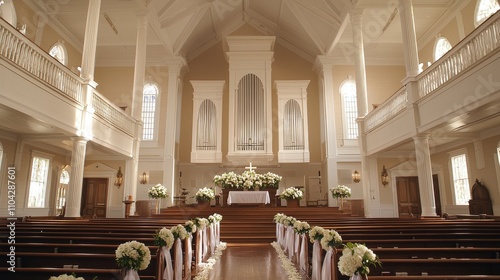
249	224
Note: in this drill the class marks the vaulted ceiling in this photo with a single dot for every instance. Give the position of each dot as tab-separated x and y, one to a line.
189	27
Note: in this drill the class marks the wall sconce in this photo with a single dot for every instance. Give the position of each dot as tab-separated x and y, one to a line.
144	178
384	176
356	177
119	177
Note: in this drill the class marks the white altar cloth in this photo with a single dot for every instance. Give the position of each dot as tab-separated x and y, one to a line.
248	197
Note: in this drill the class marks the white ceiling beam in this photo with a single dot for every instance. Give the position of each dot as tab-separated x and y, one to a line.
306	25
155	26
166	22
190	26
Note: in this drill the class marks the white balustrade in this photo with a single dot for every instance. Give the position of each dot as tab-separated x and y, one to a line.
112	114
395	104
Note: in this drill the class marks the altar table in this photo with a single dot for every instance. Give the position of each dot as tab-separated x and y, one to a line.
248	197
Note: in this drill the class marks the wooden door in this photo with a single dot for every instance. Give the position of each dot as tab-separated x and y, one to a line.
315	191
94	197
437	195
408	197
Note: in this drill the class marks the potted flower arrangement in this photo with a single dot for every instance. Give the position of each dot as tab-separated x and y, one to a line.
340	192
356	259
251	180
270	183
132	256
66	277
204	195
292	196
157	192
228	180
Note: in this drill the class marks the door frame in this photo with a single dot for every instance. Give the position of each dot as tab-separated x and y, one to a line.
103	175
409	169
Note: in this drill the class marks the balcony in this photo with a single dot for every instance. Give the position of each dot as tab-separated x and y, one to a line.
46	102
457	97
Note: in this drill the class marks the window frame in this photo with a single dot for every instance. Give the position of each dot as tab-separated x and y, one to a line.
476	11
63	51
345	118
156	115
437	45
453	154
48	179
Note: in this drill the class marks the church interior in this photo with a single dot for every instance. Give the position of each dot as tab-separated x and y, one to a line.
398	100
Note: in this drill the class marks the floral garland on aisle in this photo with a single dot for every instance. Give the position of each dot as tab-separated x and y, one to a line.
287	264
209	265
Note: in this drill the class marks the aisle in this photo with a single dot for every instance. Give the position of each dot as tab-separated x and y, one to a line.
248	262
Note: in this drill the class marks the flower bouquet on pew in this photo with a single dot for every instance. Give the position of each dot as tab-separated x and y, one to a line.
165	240
67	277
356	259
132	256
331	239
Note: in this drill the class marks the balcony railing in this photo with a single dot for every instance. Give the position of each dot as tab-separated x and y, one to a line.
479	44
23	53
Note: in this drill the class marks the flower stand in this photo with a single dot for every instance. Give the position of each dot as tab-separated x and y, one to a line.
203	203
292	203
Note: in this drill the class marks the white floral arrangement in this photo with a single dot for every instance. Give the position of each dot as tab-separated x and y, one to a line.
211	219
218	217
201	223
164	238
341	191
66	277
301	227
205	194
158	191
228	180
289	221
316	233
331	239
291	193
133	255
251	180
278	218
179	231
356	259
270	180
190	227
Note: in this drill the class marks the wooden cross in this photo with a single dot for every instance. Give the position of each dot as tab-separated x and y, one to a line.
250	168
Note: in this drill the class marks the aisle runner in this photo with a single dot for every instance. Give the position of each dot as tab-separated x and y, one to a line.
287	264
209	265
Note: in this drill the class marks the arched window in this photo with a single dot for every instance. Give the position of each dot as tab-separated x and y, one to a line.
441	47
8	12
460	175
293	129
484	9
62	189
58	51
498	153
39	179
349	109
149	104
250	112
207	127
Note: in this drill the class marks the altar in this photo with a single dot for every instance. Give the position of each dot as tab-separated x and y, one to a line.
248	197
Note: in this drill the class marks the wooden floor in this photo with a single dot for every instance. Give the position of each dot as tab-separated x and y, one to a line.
248	261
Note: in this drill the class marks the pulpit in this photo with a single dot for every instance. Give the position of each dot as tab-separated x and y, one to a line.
145	208
480	202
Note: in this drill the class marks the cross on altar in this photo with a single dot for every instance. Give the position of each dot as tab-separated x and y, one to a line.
250	168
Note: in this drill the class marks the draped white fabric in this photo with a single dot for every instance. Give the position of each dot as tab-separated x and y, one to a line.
188	248
199	248
178	260
217	234
283	236
356	277
278	239
326	270
296	249
303	262
204	243
316	261
131	274
212	238
290	242
168	273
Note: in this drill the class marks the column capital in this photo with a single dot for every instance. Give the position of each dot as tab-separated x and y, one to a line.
421	137
356	16
176	63
323	63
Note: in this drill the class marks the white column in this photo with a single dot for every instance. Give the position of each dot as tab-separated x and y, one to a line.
174	91
359	62
90	40
323	66
424	171
132	165
409	37
74	196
